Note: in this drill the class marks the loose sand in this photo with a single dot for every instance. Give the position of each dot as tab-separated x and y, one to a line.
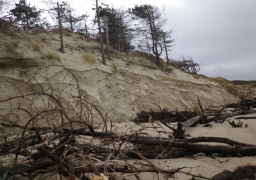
135	85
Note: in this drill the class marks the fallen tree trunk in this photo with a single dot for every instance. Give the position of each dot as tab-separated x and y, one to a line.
26	167
252	117
190	122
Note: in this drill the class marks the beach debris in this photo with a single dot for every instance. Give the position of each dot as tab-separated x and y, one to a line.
101	177
207	125
242	172
57	139
234	125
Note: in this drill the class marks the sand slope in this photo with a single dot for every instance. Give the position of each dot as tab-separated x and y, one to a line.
136	84
120	93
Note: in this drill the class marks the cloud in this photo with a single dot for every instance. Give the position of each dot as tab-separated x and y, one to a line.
231	72
216	34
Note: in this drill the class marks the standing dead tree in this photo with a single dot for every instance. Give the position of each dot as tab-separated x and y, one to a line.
100	34
60	29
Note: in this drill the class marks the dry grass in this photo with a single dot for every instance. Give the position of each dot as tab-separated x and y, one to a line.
129	62
228	85
15	43
117	52
35	45
145	55
199	76
221	80
53	56
114	66
89	58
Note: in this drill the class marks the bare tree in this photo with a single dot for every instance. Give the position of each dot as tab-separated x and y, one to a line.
100	35
60	28
167	42
107	36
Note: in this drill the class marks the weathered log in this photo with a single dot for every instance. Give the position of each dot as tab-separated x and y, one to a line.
201	148
126	169
234	125
216	139
26	167
190	122
242	172
240	117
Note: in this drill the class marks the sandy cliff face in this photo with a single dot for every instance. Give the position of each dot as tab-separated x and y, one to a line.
127	85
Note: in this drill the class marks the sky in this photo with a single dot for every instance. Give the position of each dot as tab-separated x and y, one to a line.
218	34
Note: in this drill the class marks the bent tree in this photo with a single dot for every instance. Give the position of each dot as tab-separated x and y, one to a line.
151	23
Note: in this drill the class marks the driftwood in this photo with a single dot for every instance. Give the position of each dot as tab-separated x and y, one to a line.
163	115
234	125
240	117
242	172
71	146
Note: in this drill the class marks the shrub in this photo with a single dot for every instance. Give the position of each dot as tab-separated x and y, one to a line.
129	62
53	56
35	45
143	54
15	43
114	66
88	58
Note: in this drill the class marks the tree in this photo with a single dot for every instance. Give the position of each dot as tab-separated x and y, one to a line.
120	36
151	23
68	16
167	42
2	5
26	17
100	35
60	28
188	64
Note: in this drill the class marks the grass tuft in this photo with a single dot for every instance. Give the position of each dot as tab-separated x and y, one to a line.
129	62
117	52
35	45
53	56
15	43
89	58
143	54
114	66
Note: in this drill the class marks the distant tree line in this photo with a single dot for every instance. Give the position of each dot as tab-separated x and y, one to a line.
140	27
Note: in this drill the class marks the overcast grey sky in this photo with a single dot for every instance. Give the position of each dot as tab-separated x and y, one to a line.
220	34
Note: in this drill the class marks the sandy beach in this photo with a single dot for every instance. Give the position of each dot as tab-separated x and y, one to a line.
119	94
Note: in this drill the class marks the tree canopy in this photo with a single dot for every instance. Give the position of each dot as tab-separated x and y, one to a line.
120	34
151	25
26	16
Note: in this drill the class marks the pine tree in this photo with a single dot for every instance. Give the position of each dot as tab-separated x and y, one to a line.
26	17
68	16
120	36
151	26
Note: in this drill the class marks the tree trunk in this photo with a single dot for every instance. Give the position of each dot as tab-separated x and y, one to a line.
60	28
71	22
100	35
166	51
107	38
